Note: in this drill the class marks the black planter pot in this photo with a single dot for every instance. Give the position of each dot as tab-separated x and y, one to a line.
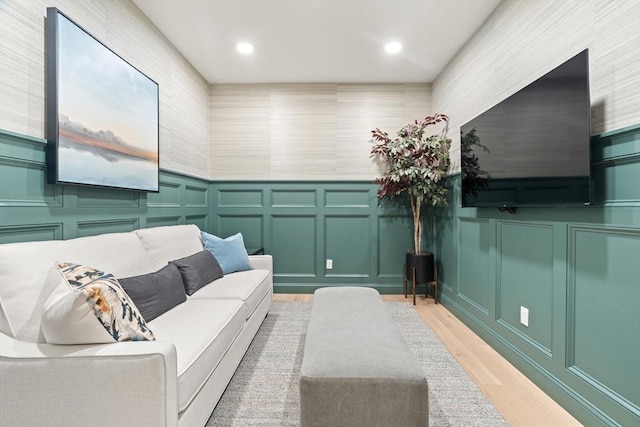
424	267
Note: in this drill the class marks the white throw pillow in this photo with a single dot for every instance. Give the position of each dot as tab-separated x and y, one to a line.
89	306
69	319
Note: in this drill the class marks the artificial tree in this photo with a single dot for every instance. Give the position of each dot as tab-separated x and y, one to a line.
415	163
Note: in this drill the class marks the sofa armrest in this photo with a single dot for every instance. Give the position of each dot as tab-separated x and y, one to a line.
261	262
127	383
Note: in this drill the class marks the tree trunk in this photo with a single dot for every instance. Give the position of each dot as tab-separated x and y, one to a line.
416	204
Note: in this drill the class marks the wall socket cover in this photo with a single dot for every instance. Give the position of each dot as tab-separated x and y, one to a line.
329	264
524	316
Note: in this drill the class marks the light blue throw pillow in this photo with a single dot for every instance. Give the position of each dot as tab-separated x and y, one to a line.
230	252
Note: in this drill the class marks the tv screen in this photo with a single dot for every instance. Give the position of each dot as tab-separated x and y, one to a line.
532	149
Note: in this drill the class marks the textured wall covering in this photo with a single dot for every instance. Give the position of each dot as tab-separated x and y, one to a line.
522	40
119	24
306	131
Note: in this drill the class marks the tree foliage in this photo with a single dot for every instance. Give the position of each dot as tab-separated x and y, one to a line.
415	162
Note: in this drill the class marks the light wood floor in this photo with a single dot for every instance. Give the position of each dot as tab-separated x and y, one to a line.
521	403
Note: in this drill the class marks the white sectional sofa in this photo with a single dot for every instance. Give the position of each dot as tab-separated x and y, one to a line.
175	380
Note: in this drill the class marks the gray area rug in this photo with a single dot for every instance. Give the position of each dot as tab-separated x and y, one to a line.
264	389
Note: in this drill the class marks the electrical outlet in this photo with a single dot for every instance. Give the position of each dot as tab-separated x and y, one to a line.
524	316
329	264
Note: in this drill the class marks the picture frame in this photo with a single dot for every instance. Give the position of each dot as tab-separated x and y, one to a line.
102	113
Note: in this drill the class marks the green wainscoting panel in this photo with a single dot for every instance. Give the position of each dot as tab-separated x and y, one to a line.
348	244
286	198
348	198
169	196
444	228
615	160
162	221
21	184
251	227
31	209
92	228
577	270
605	265
240	198
302	224
294	240
196	196
445	247
475	284
201	221
608	178
26	148
395	237
617	144
94	197
30	233
182	199
525	279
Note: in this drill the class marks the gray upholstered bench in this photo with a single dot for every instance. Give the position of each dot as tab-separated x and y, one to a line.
357	370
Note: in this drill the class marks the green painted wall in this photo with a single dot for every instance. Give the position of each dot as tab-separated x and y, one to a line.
31	209
302	224
577	270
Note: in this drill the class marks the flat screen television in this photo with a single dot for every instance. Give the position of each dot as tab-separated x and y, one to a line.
532	149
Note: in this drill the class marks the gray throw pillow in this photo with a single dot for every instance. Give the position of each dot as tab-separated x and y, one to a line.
198	270
155	293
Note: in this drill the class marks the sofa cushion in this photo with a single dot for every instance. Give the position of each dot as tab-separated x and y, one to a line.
202	331
23	295
198	270
107	300
230	252
164	244
250	287
155	293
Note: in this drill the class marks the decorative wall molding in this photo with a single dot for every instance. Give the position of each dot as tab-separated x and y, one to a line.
615	167
613	273
94	227
303	224
26	200
30	232
578	276
524	277
169	196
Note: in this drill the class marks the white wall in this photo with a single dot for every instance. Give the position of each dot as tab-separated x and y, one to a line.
120	25
524	39
318	131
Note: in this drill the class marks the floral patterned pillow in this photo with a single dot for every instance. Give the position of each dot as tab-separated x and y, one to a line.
110	303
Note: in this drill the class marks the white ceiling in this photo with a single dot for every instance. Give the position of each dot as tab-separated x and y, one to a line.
318	40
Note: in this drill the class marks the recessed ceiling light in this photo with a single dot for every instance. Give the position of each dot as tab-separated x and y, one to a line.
245	48
392	48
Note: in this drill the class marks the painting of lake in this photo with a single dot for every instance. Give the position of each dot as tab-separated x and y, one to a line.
106	113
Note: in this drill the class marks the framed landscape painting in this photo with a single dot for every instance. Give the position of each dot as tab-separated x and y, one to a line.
102	113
